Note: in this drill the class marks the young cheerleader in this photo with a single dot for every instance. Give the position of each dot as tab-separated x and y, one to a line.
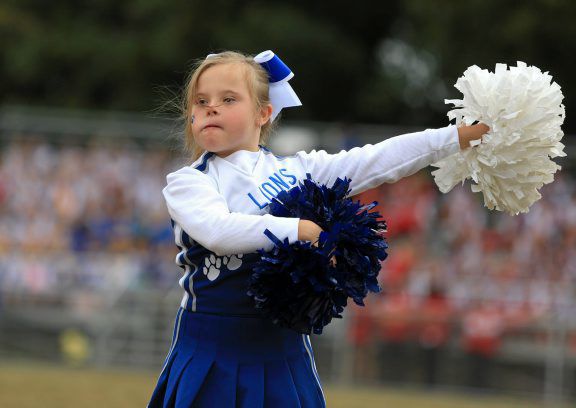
223	353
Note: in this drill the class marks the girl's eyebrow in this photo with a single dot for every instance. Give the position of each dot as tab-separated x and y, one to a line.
226	91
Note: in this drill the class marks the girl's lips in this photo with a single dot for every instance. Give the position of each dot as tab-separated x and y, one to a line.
211	127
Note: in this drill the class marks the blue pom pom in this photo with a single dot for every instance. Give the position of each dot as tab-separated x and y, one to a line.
297	285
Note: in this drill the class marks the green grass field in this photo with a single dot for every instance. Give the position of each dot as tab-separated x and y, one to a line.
23	386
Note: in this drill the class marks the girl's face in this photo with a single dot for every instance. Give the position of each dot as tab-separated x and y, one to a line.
225	117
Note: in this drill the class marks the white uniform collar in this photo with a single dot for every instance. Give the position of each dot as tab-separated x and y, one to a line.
244	159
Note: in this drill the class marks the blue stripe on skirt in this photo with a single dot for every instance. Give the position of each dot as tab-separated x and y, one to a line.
244	362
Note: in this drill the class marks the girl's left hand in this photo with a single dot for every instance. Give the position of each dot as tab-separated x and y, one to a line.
468	133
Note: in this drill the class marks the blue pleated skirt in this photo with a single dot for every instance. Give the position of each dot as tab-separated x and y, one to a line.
238	362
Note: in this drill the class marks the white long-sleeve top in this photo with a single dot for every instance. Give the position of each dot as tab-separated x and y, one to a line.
218	205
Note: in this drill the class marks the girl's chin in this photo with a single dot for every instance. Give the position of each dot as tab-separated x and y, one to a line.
209	142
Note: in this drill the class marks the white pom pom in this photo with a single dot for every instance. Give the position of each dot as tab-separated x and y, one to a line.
524	111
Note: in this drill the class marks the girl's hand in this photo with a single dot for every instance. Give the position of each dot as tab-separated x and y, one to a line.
468	133
309	231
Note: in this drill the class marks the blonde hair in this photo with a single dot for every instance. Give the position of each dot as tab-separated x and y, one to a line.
257	80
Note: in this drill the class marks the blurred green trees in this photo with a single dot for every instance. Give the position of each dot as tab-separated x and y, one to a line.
384	62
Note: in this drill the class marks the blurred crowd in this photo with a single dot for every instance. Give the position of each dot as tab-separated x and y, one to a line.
92	217
459	272
83	217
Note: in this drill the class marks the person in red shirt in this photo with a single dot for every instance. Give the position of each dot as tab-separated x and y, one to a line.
434	329
395	323
482	330
361	334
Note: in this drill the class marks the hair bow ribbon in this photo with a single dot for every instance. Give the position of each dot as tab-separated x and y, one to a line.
281	93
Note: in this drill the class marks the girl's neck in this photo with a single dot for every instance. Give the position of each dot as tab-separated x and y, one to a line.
249	150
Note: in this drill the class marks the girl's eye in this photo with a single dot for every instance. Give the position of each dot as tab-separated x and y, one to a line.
201	102
229	100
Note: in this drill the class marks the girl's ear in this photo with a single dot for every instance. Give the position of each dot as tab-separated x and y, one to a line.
265	114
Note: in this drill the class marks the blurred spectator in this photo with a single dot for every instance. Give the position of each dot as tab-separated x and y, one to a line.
361	336
395	327
434	326
482	330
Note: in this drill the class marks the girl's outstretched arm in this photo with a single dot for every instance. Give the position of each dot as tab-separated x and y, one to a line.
390	160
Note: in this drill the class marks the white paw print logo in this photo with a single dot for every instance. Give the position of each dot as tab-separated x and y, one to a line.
212	264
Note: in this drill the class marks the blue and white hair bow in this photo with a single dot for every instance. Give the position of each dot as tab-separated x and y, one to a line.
281	93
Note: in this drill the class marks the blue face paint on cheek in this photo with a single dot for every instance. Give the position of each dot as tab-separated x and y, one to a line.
192	119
